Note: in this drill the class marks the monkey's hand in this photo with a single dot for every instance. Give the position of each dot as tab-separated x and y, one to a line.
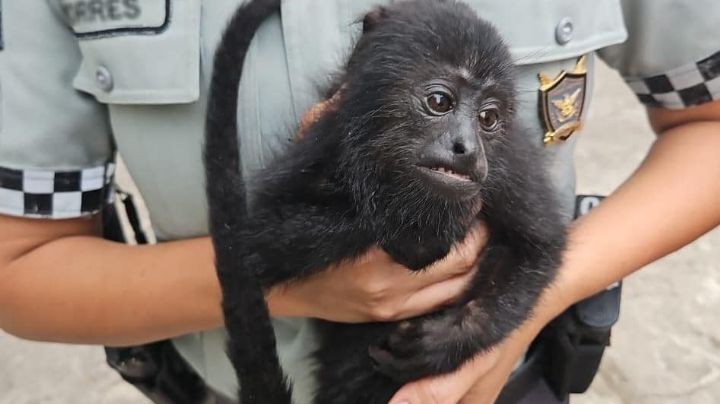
434	344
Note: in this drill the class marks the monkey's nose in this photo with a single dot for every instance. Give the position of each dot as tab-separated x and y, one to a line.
456	153
459	148
464	156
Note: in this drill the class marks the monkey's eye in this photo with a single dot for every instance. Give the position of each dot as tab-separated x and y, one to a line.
489	119
439	103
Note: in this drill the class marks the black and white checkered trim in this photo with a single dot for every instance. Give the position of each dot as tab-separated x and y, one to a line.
55	194
683	87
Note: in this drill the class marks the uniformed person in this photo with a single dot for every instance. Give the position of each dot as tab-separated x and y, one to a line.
82	79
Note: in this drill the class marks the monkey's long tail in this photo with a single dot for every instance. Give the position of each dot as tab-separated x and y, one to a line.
251	346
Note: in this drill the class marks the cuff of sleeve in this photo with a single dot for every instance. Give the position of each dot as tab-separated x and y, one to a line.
50	194
684	87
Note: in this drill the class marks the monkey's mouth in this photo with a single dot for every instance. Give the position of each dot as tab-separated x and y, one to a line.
448	173
448	179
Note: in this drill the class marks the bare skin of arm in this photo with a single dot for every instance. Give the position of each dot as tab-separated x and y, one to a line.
671	200
60	282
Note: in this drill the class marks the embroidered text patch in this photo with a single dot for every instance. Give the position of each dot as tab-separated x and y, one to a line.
100	18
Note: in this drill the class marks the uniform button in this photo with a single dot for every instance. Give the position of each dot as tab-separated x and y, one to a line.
564	31
104	78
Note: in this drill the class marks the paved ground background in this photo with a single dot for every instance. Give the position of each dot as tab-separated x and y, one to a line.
665	350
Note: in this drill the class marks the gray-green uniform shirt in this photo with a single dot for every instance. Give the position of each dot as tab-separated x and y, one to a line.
82	79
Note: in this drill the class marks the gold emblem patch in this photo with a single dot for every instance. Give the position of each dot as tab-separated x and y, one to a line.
561	102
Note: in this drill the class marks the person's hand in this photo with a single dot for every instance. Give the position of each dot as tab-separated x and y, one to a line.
316	112
375	288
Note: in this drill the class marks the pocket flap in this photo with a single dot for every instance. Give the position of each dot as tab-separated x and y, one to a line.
151	58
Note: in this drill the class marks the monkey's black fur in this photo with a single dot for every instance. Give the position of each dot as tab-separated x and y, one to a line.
366	174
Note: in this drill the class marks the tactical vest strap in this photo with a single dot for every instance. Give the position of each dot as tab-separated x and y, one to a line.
156	369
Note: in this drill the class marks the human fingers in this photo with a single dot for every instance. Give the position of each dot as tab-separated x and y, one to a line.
488	387
315	112
461	259
432	297
312	115
392	292
381	276
473	243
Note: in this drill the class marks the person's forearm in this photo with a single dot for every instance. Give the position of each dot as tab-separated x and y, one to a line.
59	283
672	199
87	290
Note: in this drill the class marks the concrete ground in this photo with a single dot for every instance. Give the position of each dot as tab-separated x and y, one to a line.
666	348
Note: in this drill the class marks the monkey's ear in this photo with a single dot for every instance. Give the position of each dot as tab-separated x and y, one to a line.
373	18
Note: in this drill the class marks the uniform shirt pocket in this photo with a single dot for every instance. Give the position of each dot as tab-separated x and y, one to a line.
137	51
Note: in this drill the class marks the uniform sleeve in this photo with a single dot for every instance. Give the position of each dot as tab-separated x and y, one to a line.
672	56
56	151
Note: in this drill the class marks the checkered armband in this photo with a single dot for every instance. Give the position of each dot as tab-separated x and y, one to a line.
683	87
55	194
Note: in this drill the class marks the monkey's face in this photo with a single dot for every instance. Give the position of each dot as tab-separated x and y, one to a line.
459	119
430	96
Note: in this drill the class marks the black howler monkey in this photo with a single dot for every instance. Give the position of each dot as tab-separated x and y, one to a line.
419	145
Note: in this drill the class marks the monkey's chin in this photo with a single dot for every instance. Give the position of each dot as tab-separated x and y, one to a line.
449	183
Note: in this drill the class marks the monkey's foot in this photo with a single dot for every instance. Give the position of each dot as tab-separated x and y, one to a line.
425	347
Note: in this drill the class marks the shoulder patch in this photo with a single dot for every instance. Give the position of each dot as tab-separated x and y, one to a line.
90	19
562	100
